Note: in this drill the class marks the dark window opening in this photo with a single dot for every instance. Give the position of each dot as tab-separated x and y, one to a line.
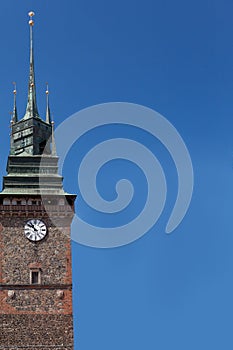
33	202
18	202
42	147
35	277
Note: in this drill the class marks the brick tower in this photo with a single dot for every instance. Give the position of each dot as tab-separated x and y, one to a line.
35	219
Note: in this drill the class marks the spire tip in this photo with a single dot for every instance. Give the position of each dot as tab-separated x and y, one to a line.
47	89
31	14
31	110
15	90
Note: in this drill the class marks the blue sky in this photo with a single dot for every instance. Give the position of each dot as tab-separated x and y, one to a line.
163	291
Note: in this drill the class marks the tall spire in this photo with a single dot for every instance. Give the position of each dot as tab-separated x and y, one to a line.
31	110
48	114
14	114
31	134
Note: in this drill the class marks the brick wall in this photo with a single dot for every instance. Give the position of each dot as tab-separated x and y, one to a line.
35	316
30	331
53	254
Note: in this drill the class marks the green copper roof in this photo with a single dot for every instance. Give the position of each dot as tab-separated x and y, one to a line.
32	166
30	134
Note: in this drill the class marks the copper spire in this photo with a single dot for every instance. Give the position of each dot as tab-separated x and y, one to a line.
31	110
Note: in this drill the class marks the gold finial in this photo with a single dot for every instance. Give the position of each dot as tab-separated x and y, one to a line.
31	14
14	91
47	89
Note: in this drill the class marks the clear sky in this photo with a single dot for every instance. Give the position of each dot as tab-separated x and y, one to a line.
162	291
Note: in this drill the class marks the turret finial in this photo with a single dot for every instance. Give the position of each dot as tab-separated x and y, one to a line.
14	114
48	114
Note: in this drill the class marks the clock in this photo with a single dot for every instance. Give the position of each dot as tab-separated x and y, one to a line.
35	230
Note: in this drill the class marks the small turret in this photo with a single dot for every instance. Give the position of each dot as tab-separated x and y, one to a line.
48	114
14	114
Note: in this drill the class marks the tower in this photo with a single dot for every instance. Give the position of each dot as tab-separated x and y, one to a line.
35	219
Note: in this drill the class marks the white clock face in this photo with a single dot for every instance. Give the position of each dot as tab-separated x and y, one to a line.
35	230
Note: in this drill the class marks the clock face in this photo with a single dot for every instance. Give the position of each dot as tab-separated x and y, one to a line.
35	230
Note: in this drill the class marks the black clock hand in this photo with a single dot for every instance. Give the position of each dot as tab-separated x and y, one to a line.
33	227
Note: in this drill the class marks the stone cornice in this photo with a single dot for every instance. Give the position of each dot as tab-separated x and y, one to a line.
35	286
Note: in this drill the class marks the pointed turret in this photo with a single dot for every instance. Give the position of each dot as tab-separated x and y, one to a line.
48	114
31	110
14	114
53	145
